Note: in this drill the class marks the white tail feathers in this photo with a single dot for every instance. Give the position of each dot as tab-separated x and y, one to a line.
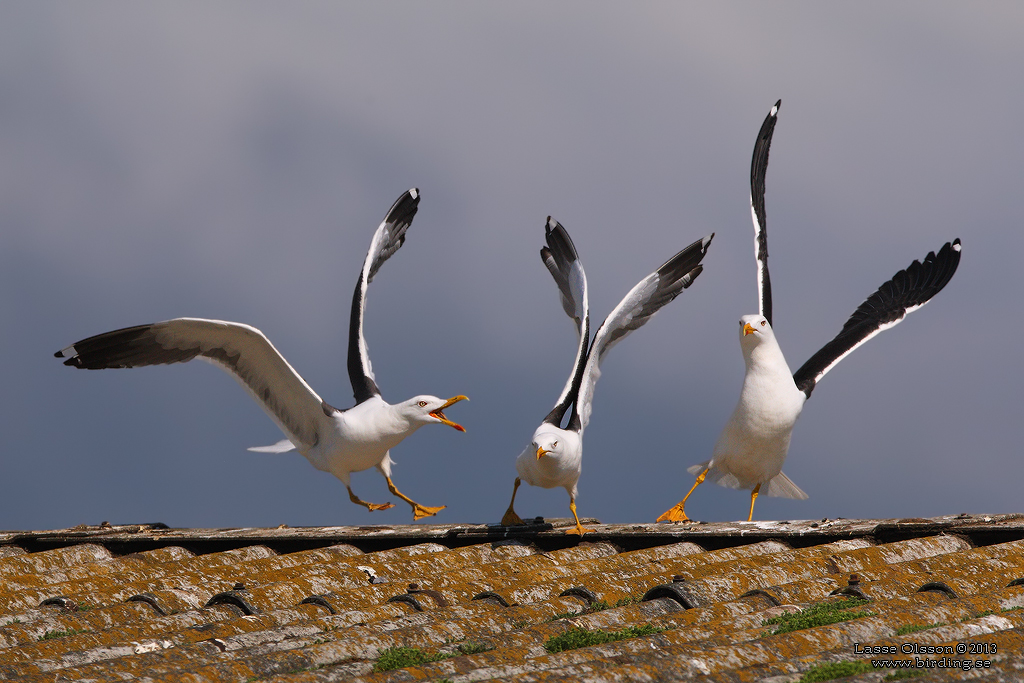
782	486
282	446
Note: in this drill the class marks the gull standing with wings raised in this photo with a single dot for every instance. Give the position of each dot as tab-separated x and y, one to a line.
333	440
555	455
754	443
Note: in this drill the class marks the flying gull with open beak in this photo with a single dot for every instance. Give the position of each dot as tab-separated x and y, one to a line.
339	441
754	443
555	454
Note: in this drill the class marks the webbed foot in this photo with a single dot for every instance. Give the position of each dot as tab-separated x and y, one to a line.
675	514
421	511
511	518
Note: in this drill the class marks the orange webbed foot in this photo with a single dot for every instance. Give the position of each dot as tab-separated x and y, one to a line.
675	514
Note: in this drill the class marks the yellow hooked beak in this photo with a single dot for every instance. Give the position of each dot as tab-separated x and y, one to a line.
440	415
748	329
541	452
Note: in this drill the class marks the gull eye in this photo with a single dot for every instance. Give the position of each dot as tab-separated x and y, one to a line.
763	322
423	404
554	444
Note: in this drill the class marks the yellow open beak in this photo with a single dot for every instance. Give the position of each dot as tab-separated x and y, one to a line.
748	329
541	452
438	414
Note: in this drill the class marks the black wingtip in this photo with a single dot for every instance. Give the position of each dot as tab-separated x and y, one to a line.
686	260
908	290
550	226
404	208
759	161
70	356
559	241
949	255
553	230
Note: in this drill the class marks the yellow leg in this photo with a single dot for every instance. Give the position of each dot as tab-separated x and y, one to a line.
369	506
579	527
678	512
511	518
418	511
753	497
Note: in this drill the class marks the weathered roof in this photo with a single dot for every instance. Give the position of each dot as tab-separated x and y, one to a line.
144	602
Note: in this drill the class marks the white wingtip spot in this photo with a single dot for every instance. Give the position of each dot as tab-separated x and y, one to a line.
956	246
552	222
414	193
68	352
774	111
706	241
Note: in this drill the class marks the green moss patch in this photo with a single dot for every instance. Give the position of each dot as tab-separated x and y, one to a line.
401	657
914	628
829	672
979	615
583	637
903	675
819	615
598	606
473	648
50	635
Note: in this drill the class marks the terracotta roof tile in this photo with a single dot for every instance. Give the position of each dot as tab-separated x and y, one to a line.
144	602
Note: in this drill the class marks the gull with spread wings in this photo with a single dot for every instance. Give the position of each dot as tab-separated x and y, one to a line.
754	443
555	454
339	441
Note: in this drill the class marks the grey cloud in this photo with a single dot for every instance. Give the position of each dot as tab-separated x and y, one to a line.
232	161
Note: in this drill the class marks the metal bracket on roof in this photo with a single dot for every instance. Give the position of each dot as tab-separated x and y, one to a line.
852	588
852	591
763	593
409	600
676	590
938	587
319	601
150	600
410	597
234	597
585	594
62	601
491	596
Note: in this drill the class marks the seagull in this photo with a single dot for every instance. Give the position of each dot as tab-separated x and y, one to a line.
753	445
555	455
333	440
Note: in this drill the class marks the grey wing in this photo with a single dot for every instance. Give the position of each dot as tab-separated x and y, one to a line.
758	171
907	291
388	238
239	349
563	262
638	306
